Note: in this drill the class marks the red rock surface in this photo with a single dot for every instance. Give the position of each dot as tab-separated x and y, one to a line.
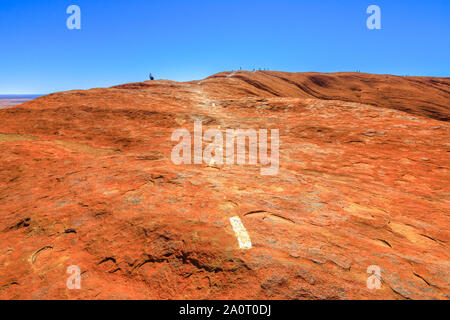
86	179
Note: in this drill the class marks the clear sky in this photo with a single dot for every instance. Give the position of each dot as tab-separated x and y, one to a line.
122	41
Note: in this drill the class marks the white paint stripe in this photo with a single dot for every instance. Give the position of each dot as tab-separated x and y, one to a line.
231	74
241	233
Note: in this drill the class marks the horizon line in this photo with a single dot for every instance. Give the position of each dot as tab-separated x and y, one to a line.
237	70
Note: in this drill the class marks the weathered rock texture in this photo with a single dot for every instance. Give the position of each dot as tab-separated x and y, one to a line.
86	179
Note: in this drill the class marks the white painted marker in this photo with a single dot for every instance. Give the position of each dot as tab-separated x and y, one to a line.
241	233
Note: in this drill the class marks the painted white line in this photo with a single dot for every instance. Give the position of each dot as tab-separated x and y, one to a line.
241	233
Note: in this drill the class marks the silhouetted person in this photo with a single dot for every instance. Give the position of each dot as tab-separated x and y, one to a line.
151	77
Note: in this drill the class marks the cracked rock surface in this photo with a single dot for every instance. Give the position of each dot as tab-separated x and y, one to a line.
86	179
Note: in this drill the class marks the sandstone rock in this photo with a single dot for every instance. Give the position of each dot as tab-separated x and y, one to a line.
87	180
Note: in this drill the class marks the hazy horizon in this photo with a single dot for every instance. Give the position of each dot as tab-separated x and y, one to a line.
17	96
36	95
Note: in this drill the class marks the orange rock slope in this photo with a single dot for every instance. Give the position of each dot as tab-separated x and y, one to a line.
86	179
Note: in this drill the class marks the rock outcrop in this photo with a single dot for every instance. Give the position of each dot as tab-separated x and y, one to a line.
86	179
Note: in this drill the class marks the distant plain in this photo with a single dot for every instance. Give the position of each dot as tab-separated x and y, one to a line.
11	100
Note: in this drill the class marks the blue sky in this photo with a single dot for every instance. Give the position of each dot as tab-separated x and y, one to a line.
122	41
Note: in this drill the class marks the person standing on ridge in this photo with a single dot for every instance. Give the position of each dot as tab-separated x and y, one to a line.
151	77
